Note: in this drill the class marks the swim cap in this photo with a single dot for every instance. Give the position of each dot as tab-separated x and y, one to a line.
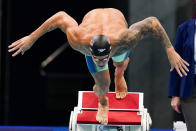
100	45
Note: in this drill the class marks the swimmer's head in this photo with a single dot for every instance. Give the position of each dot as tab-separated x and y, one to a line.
100	49
100	45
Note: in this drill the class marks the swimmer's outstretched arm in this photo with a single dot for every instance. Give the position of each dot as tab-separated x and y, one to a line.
59	20
137	31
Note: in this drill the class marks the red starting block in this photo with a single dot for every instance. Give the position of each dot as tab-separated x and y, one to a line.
126	114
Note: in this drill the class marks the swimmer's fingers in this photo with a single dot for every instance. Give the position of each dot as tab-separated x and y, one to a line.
21	45
177	62
185	65
14	48
15	43
17	52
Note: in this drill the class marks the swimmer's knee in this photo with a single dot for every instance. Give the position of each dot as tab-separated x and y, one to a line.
105	84
101	89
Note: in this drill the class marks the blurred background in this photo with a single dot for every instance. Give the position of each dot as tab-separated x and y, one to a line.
32	95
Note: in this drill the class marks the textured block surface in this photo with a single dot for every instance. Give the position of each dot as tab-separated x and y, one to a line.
131	101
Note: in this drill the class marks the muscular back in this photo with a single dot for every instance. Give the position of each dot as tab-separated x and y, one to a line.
109	22
103	21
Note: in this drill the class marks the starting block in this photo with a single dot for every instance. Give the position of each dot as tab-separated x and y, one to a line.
126	114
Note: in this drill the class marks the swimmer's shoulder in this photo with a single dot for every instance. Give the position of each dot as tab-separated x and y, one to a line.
105	9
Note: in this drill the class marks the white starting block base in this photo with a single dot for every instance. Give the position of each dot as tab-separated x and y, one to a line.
124	114
108	128
180	126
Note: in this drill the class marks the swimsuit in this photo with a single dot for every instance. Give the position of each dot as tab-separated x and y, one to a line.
92	67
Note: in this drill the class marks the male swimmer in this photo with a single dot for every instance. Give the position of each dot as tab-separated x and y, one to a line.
103	34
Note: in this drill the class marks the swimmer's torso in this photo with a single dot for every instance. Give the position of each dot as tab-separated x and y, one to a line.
109	22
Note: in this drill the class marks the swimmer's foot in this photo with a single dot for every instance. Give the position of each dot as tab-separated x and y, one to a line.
120	87
120	83
102	113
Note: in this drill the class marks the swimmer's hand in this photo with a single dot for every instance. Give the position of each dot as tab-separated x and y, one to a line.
177	62
21	45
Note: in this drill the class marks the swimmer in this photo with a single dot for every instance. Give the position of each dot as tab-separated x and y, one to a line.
104	34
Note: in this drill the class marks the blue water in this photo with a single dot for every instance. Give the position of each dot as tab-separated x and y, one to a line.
32	128
48	128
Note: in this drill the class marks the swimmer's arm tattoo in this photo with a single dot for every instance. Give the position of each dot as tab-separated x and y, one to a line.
59	20
140	29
